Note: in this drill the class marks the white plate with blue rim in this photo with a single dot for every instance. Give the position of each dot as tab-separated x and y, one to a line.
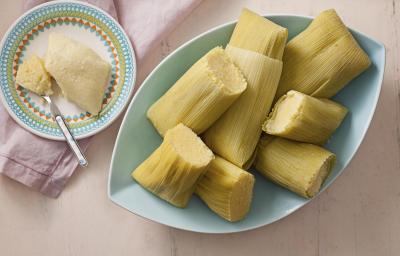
86	24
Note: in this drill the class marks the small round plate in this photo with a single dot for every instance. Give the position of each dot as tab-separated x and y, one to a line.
86	24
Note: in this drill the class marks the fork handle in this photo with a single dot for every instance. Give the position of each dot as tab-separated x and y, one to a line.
71	140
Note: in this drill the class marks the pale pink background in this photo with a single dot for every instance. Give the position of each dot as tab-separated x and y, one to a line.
358	215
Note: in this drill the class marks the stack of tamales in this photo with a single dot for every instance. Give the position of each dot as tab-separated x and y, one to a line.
318	62
256	47
226	97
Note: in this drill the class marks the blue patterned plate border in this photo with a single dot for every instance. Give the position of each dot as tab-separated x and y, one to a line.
58	14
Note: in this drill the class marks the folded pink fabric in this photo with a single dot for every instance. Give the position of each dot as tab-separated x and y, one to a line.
46	165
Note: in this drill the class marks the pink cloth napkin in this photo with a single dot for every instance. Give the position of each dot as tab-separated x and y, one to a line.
46	165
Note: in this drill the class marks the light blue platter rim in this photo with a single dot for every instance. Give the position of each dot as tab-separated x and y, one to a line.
119	198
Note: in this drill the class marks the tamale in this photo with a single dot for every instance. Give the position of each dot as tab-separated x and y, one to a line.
172	171
301	117
258	34
235	134
201	95
226	189
33	76
299	167
322	59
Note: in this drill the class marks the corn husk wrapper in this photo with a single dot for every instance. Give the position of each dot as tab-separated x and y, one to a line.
201	95
301	117
258	34
226	189
299	167
172	171
235	134
322	59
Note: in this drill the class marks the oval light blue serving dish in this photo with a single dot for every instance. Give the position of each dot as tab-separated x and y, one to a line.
137	138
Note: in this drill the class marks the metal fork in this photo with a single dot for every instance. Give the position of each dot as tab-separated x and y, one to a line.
65	130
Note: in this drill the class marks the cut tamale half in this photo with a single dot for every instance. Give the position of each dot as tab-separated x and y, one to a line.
226	189
258	34
322	59
301	117
299	167
201	95
173	169
33	76
235	134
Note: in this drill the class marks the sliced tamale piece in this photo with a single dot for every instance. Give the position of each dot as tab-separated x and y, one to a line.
201	95
235	134
301	117
322	59
173	169
226	189
258	34
33	76
299	167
